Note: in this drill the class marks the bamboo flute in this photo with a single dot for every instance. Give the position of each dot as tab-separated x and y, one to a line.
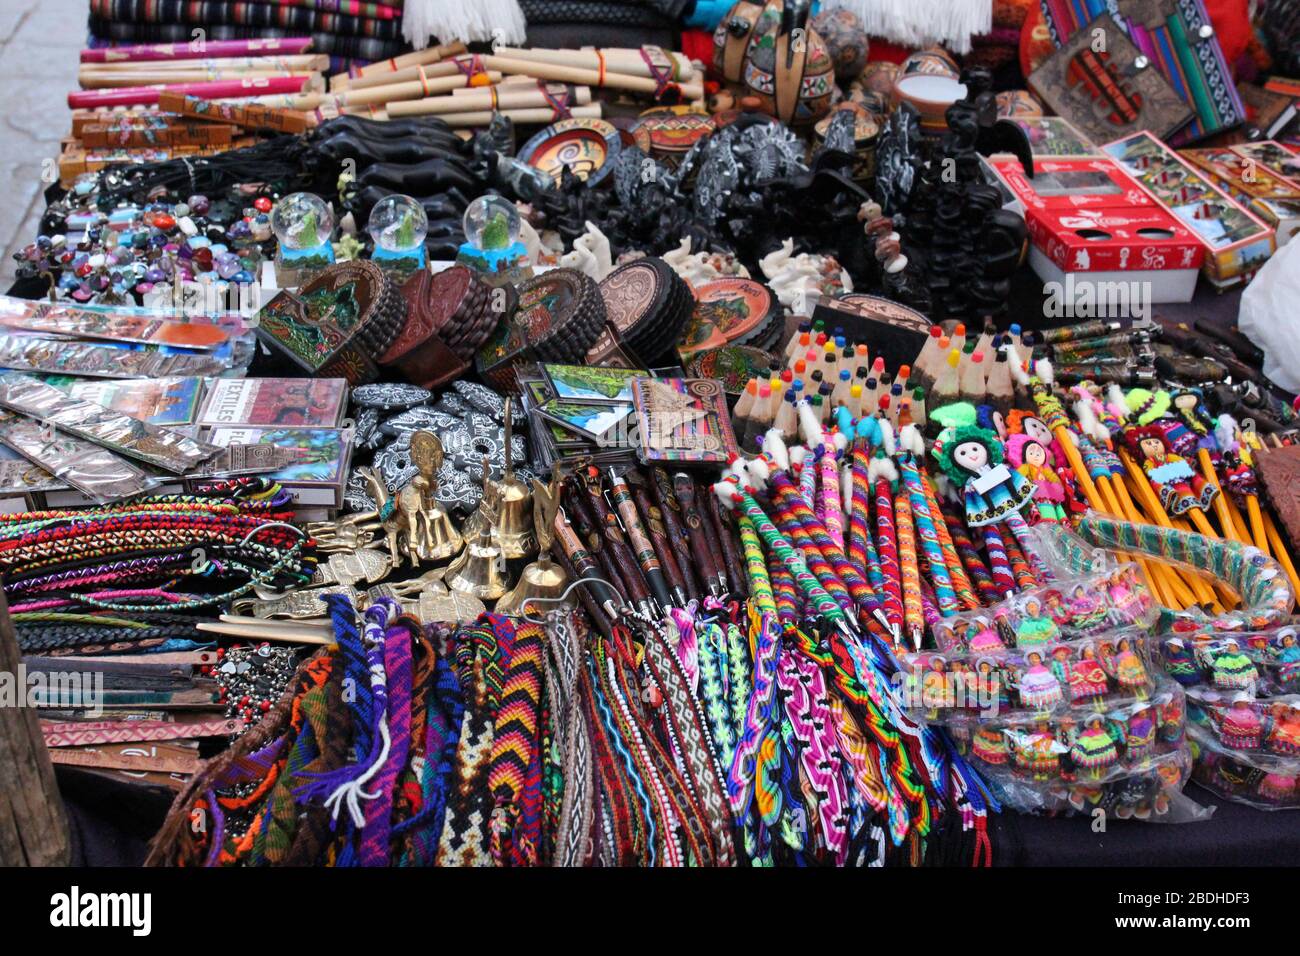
566	74
417	58
398	92
498	100
626	61
449	67
99	81
537	117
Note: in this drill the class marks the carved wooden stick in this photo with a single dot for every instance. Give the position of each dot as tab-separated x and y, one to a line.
33	827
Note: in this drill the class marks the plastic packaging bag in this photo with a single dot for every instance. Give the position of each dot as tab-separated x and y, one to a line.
1262	781
1264	726
1129	756
1257	663
1268	315
1058	700
1096	672
1266	594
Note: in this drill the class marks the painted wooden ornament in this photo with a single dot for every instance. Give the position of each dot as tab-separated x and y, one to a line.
773	52
865	133
846	39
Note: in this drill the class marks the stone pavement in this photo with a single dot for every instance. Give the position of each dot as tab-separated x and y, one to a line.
39	42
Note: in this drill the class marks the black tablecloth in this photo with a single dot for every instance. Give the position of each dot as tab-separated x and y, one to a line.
1235	835
112	824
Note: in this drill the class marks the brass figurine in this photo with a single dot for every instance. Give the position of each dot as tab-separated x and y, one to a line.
405	524
440	539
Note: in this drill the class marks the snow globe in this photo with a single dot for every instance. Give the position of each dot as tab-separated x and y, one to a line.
303	225
492	247
398	225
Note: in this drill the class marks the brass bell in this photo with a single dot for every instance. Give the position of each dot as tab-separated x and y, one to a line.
439	538
480	569
513	531
543	578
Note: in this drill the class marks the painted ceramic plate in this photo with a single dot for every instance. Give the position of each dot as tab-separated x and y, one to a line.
586	146
727	311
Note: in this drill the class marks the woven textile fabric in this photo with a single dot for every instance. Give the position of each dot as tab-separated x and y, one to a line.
105	32
204	13
372	9
607	12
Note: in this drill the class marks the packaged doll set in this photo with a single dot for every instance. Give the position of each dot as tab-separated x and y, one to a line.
1039	679
1258	779
1068	608
1058	698
1243	709
1256	663
1128	755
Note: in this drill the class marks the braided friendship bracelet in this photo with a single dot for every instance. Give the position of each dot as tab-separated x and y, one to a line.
33	639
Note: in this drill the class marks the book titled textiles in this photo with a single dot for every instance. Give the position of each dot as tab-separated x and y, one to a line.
279	402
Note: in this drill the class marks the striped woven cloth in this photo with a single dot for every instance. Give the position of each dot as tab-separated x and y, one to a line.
105	32
206	13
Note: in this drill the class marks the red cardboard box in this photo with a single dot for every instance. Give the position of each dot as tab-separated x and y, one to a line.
1088	220
1136	244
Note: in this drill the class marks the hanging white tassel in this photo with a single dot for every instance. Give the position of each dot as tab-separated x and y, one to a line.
919	23
470	21
349	795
